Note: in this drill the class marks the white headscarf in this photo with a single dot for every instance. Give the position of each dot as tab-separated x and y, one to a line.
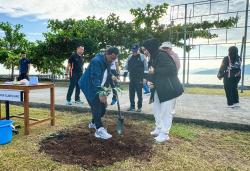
171	53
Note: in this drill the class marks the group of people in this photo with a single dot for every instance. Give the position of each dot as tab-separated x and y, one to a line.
153	64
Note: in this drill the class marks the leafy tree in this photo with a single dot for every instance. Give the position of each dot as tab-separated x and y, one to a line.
43	58
149	16
147	23
49	55
95	34
63	37
12	43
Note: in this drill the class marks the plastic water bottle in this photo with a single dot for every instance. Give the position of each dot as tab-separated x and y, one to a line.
15	80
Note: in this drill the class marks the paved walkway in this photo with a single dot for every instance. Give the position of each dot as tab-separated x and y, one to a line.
191	106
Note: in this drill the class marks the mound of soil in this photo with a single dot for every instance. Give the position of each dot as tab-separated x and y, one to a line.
79	146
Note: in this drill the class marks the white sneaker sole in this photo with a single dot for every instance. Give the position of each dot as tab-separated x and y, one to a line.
91	127
79	102
104	138
161	140
153	134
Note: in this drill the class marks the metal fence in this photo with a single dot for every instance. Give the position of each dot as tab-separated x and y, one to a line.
212	10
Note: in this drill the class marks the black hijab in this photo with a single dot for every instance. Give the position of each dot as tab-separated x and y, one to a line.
233	54
152	46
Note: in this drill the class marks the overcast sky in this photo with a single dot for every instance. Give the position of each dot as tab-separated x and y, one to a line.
33	14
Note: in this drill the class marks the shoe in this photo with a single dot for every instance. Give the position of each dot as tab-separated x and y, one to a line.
91	125
155	132
230	106
68	103
162	137
130	109
236	105
113	102
102	133
138	110
79	102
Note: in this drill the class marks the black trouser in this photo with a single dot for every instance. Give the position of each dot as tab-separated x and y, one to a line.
231	90
113	72
22	76
135	86
98	110
74	84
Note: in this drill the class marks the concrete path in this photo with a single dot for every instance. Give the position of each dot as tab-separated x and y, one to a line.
191	106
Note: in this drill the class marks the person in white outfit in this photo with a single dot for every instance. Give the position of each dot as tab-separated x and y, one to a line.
165	88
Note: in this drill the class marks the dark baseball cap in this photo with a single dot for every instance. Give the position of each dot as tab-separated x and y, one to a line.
135	48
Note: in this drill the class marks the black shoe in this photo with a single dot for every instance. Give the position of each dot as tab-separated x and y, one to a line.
130	109
138	110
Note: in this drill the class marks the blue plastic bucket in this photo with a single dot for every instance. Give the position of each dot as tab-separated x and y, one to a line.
5	131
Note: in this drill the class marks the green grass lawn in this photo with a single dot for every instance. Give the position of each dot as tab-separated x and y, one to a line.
200	90
191	147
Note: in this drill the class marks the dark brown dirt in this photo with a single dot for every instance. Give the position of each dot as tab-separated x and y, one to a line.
79	146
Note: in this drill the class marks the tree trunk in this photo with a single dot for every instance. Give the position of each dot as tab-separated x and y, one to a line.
53	78
12	71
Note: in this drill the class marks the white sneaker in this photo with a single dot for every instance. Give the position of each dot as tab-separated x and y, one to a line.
230	106
155	132
79	102
236	104
162	137
102	133
68	103
91	125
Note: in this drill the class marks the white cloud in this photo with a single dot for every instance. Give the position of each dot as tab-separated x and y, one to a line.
62	9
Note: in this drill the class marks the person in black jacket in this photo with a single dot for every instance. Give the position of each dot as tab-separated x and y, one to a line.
137	66
230	71
167	87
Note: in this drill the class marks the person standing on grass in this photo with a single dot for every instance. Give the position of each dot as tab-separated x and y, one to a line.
166	88
137	66
230	71
96	76
167	48
74	71
24	67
